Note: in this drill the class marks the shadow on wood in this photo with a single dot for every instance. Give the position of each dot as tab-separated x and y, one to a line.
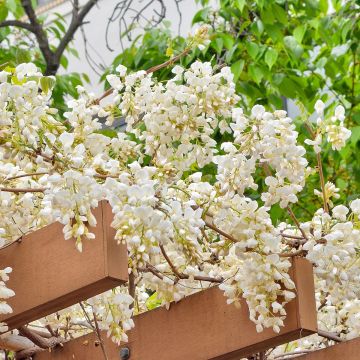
49	274
203	326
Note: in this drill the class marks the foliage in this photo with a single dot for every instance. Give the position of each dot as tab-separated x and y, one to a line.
18	46
301	50
182	228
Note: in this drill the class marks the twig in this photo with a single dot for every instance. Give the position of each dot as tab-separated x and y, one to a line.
25	175
95	328
17	23
320	168
39	33
296	221
186	276
23	190
329	335
219	231
322	182
99	336
150	70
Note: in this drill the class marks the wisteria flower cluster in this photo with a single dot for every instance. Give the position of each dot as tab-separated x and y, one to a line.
183	227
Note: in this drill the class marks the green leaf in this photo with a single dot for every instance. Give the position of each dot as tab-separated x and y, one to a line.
230	53
299	33
355	135
274	32
64	62
240	4
11	5
271	56
111	133
47	83
201	15
324	6
237	68
291	43
253	49
153	302
22	56
3	12
217	44
86	78
255	73
228	41
280	13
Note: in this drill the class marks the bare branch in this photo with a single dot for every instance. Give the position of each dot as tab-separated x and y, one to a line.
329	335
43	41
76	22
17	23
99	337
185	276
15	342
150	70
38	340
22	190
95	328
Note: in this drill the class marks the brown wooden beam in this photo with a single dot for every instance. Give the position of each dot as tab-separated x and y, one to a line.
347	350
49	274
203	326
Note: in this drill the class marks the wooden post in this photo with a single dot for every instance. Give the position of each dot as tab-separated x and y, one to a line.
203	326
49	274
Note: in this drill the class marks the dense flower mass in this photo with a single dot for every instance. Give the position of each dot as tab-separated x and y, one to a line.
5	293
190	211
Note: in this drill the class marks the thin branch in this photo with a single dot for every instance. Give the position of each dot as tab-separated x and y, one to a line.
99	336
329	335
220	232
25	175
95	328
320	167
296	221
22	190
322	182
40	35
76	22
150	70
185	276
17	23
132	288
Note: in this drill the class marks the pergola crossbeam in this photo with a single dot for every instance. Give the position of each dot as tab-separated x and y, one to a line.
203	326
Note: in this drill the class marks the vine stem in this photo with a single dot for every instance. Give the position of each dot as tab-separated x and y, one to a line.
320	167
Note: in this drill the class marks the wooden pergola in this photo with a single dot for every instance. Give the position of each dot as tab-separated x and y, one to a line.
49	275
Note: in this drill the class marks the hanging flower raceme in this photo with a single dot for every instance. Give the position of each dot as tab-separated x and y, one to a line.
5	293
191	212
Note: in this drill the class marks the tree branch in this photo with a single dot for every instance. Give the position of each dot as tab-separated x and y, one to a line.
149	71
185	276
15	342
43	41
22	190
76	22
38	339
18	24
